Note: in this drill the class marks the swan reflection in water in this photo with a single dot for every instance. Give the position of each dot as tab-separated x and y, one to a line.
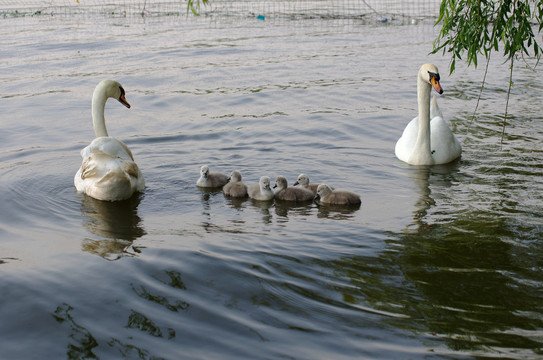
422	176
116	222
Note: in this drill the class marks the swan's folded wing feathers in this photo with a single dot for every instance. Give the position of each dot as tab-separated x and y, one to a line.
127	150
109	146
131	168
114	179
88	168
117	177
93	163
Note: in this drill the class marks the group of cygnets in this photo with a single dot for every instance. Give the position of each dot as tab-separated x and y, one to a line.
233	186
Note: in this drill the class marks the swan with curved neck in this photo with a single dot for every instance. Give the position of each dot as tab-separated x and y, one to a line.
427	139
108	170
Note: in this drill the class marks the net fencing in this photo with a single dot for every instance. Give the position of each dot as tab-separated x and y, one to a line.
290	9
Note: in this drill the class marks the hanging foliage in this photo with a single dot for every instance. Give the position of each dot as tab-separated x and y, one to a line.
474	27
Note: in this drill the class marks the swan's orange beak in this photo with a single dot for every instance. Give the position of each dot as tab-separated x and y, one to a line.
123	101
436	85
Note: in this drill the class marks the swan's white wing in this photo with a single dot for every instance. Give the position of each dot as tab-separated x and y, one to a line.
445	146
406	143
108	171
109	146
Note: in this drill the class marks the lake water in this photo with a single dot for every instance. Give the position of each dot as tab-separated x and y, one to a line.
440	262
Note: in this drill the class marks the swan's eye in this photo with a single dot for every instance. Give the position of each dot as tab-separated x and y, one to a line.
433	76
122	91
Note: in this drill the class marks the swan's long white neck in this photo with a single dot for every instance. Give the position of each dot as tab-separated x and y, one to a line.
422	153
99	99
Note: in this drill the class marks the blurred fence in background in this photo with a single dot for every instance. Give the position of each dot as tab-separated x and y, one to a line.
290	9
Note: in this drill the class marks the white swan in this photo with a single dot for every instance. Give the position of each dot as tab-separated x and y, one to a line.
108	170
426	142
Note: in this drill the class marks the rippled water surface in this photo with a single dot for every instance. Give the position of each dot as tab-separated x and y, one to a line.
439	262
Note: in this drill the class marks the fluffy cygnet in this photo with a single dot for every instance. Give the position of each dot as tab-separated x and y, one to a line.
286	193
211	179
325	195
235	187
303	180
262	190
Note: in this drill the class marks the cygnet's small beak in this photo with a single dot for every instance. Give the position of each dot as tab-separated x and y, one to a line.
296	183
436	85
274	186
317	197
123	101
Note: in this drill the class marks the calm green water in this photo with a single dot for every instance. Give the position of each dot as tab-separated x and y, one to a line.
438	263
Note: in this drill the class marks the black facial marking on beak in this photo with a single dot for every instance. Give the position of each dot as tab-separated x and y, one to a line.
122	98
434	75
434	80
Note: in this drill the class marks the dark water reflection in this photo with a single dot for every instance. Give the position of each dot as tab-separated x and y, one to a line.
117	223
472	278
337	212
284	209
476	296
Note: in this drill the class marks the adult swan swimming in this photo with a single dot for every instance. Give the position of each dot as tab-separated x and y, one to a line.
426	142
108	170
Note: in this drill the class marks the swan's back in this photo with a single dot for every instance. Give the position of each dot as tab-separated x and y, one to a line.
342	197
294	194
109	146
108	171
235	187
337	197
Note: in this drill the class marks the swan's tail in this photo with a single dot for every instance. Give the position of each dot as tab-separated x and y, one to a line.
434	108
115	185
